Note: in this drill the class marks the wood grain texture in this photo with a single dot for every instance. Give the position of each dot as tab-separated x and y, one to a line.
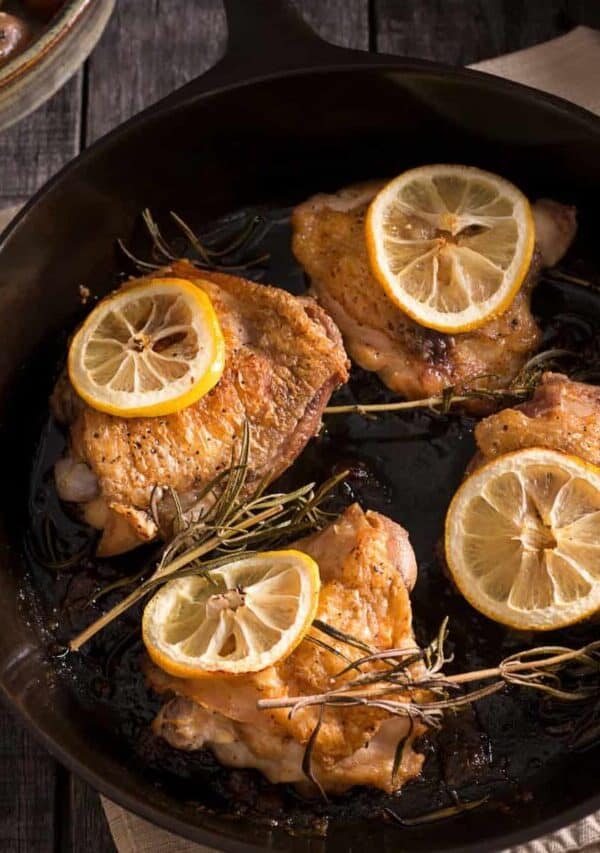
459	32
27	791
33	150
87	829
149	48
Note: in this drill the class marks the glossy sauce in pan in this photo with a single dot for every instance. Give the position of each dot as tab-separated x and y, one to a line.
407	465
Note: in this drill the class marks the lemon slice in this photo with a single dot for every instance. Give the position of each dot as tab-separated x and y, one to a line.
523	539
252	613
149	349
451	245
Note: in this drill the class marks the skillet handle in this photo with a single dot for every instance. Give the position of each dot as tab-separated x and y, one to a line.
263	37
271	34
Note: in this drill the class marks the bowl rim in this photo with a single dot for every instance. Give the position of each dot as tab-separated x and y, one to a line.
57	29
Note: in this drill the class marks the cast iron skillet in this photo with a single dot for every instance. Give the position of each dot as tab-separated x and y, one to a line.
283	114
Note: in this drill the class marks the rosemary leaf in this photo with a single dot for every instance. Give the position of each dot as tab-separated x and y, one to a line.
398	675
159	241
400	749
556	274
336	634
385	655
192	238
322	644
143	266
307	768
48	549
50	535
227	258
439	814
179	522
57	565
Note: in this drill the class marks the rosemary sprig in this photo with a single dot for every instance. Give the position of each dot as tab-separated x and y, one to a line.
537	669
228	256
228	527
161	574
521	388
424	693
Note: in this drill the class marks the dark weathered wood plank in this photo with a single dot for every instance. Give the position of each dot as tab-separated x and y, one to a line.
30	153
149	48
27	791
460	32
37	147
87	827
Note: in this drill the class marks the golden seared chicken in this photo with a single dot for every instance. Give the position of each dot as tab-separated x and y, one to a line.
367	569
283	358
562	415
329	242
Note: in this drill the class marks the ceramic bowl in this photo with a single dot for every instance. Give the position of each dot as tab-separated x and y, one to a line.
36	73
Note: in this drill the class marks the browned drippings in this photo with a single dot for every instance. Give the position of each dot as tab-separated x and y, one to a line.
405	465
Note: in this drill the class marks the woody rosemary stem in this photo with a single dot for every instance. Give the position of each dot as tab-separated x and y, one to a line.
183	560
461	678
520	388
359	409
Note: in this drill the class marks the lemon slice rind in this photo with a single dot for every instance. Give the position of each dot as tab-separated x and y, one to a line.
149	349
441	274
252	613
522	539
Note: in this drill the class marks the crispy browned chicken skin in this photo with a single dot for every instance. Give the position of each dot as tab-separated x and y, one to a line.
367	570
562	415
284	357
329	242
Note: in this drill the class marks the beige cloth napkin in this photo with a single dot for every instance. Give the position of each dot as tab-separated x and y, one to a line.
568	66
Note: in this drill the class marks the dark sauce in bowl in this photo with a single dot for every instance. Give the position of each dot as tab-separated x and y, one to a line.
22	22
507	748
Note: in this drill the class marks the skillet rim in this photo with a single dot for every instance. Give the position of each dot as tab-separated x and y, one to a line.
210	86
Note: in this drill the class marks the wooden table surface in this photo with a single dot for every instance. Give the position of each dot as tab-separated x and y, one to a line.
149	48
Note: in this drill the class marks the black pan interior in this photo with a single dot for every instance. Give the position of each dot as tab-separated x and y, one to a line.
272	144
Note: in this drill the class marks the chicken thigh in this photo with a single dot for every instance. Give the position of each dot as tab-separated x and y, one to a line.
367	569
329	241
562	415
284	358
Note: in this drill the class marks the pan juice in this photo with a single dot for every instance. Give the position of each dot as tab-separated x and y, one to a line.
507	749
